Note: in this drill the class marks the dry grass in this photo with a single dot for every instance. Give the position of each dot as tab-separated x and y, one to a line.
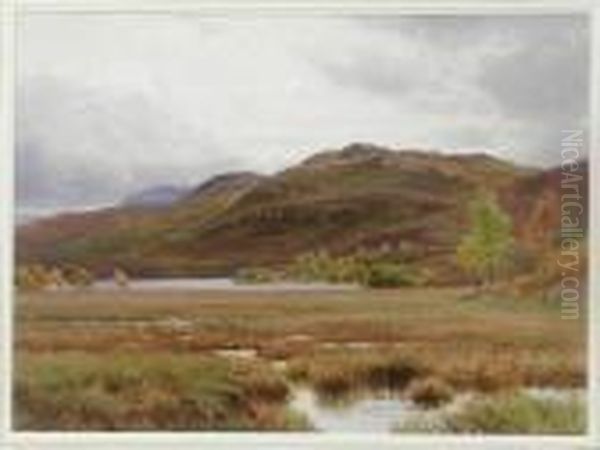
479	367
99	321
336	341
75	391
340	372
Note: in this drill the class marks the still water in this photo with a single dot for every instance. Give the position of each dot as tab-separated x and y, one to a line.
383	412
216	284
378	413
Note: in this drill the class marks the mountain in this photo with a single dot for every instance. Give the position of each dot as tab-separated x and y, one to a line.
234	183
359	197
155	197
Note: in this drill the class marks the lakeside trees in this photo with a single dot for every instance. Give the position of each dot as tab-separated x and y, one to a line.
485	251
38	276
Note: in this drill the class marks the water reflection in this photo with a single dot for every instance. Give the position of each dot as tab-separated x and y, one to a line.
386	410
378	412
218	284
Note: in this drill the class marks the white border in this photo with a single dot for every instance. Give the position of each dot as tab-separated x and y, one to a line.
6	213
271	440
312	7
594	241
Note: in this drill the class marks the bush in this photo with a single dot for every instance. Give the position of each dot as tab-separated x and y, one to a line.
320	266
385	275
367	269
34	277
429	392
78	276
37	277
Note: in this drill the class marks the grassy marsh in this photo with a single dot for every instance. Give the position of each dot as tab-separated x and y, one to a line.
88	356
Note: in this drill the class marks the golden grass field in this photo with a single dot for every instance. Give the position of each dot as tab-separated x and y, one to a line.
103	360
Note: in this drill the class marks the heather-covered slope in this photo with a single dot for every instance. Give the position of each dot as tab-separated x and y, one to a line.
359	197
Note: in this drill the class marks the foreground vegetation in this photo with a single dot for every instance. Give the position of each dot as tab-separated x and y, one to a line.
519	413
334	373
151	360
133	391
508	413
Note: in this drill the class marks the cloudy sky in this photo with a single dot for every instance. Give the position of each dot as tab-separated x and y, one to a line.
111	104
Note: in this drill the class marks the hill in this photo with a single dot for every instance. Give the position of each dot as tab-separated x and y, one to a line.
155	197
359	197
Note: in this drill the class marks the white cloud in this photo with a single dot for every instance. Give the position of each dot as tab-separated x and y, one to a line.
137	100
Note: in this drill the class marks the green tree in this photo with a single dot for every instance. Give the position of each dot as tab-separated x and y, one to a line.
486	248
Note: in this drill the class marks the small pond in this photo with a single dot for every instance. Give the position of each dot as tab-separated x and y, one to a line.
384	411
378	413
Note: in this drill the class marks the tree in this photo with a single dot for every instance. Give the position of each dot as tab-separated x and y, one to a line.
484	251
78	276
32	277
541	238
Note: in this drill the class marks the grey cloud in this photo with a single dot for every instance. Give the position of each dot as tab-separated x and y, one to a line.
544	83
412	54
540	62
172	100
531	69
374	70
45	182
81	146
547	74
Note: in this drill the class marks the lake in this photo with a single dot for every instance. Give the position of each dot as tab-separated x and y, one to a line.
217	284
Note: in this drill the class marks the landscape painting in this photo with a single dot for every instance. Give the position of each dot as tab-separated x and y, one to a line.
313	223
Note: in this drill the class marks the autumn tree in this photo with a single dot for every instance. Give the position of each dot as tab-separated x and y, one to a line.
78	276
485	249
32	277
539	236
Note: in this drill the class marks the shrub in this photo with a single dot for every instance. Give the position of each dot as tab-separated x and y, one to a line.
78	276
429	392
34	277
313	266
386	275
369	269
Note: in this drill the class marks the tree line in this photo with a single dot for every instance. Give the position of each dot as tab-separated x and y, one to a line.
39	276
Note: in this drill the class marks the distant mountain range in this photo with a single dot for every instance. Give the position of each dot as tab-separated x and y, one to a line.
155	197
359	197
